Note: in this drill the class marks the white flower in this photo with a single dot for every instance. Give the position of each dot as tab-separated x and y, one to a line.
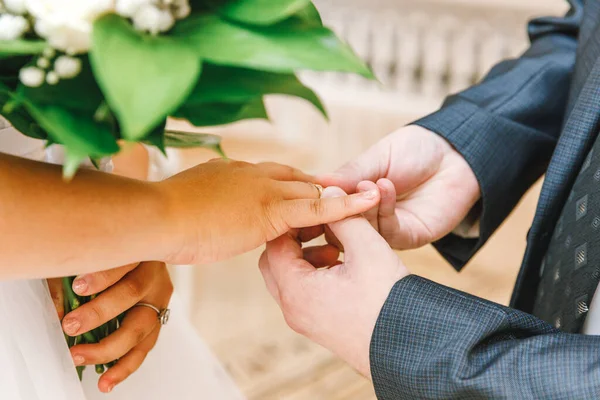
182	9
31	76
153	19
12	26
67	67
43	63
128	8
52	78
15	6
67	24
49	52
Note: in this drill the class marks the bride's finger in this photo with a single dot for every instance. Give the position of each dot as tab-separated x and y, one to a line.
282	172
137	325
310	233
114	301
303	213
57	294
128	364
321	256
88	284
299	190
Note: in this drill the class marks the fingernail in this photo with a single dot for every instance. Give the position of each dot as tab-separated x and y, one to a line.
370	195
78	360
71	326
110	388
80	285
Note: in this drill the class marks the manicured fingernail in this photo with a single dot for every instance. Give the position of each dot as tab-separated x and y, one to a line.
80	285
78	360
71	326
370	195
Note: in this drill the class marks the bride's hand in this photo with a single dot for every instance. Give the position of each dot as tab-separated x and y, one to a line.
224	208
120	290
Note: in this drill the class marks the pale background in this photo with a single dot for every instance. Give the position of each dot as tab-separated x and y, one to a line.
421	50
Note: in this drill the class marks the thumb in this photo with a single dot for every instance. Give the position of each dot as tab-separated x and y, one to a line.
369	166
355	233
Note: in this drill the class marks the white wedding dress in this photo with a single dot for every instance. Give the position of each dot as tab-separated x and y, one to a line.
35	363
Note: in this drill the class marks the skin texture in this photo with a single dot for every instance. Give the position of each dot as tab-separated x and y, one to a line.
210	212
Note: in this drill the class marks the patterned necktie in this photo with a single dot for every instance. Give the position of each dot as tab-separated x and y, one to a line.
570	272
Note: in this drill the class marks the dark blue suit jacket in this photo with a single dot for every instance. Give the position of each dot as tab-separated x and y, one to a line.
535	114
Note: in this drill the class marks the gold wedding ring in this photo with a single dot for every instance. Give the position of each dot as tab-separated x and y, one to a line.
319	189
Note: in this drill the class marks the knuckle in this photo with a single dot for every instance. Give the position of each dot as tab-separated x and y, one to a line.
94	315
273	222
133	288
138	334
102	352
317	207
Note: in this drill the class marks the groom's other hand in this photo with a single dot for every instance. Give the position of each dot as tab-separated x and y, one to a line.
427	188
337	306
118	291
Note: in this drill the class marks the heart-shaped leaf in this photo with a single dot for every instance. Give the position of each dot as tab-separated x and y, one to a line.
213	114
144	78
285	47
261	12
237	85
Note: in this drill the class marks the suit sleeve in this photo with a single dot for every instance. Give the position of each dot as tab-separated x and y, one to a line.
507	126
433	342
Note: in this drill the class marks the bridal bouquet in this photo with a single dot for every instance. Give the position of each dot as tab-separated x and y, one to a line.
86	74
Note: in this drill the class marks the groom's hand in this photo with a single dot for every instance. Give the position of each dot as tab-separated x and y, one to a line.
339	306
119	289
427	188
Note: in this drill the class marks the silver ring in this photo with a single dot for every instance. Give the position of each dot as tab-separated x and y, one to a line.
163	315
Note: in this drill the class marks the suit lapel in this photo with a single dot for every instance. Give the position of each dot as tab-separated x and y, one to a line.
579	131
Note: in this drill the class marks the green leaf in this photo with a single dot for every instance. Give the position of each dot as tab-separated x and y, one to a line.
17	47
156	137
309	15
285	47
238	85
184	140
261	12
144	78
213	114
80	135
72	162
78	93
17	115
